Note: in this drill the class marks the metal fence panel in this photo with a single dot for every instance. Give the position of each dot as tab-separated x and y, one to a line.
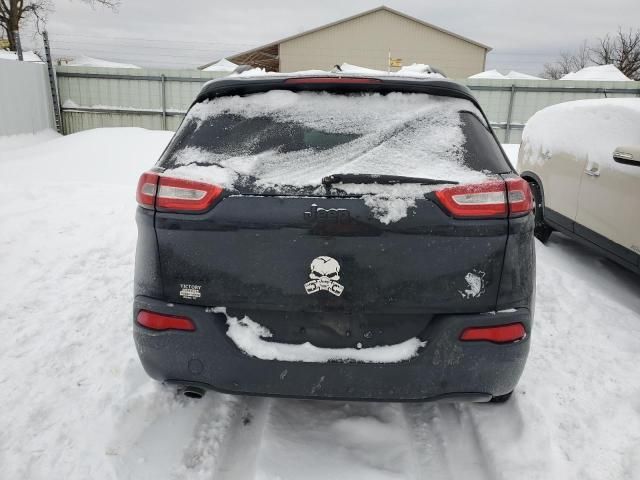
525	97
149	98
25	98
157	99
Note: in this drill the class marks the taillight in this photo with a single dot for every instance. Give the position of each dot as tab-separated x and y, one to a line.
496	199
146	192
477	200
512	332
520	197
158	321
175	194
185	195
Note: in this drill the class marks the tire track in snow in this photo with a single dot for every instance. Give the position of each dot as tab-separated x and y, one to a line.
239	456
213	428
292	439
446	443
152	426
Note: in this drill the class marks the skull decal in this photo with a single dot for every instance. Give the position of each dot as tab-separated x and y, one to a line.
325	273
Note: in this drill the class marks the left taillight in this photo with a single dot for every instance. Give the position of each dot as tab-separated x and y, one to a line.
158	321
170	194
147	187
495	199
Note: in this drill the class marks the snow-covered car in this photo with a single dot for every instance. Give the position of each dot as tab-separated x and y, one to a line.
583	162
337	237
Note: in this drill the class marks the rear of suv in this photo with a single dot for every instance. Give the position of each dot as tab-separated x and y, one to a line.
336	237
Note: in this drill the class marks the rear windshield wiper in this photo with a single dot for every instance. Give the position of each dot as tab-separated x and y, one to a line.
368	178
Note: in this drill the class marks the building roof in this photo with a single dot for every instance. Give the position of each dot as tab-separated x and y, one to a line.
267	50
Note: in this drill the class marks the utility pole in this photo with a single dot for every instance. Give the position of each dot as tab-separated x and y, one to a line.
52	83
16	35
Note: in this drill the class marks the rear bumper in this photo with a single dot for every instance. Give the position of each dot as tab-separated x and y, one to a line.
444	369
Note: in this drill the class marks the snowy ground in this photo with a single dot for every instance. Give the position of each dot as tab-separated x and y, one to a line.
76	404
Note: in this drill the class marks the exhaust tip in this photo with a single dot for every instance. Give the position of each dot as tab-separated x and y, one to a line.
193	392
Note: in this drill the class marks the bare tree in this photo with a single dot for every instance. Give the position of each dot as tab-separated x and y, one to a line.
568	62
14	12
622	50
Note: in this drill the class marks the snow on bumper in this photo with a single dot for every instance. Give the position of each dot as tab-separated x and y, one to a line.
249	337
443	367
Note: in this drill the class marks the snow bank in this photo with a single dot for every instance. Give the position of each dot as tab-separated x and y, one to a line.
512	150
248	337
223	65
12	142
28	56
114	156
584	127
604	73
84	61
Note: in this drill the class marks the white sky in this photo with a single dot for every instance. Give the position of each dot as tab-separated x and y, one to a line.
182	34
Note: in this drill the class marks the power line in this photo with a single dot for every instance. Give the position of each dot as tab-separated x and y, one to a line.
148	40
71	44
207	44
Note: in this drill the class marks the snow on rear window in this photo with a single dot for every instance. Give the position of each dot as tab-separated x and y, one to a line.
283	138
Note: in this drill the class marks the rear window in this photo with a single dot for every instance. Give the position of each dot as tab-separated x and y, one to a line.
287	138
481	151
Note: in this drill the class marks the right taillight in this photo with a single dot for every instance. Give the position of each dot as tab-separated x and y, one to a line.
514	332
169	194
520	197
495	199
476	200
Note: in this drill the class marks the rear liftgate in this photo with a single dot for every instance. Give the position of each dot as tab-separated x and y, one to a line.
324	269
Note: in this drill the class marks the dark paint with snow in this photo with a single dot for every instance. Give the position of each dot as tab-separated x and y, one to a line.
254	254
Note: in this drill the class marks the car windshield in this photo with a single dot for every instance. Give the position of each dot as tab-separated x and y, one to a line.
287	138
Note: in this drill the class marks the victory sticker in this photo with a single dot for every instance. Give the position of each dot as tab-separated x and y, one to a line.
325	273
190	292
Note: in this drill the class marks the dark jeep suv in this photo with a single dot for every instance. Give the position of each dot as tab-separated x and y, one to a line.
337	237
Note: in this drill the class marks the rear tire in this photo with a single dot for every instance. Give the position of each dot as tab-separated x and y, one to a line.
501	398
542	231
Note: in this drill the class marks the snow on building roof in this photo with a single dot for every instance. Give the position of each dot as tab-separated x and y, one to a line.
28	56
513	75
84	61
489	74
606	73
223	65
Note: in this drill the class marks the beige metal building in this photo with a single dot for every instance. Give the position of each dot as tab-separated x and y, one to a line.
366	40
